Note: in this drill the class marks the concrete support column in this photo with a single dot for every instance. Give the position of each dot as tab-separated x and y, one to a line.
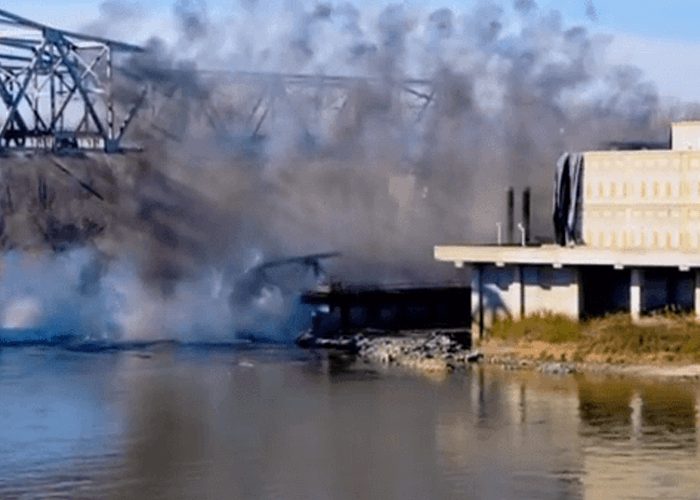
697	294
577	273
523	288
517	292
636	279
480	300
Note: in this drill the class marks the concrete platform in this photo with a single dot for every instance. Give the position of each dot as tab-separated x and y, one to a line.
558	256
515	281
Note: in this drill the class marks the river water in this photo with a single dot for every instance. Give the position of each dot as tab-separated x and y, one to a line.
174	421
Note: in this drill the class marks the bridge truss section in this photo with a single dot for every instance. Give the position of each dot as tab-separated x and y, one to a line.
56	90
244	108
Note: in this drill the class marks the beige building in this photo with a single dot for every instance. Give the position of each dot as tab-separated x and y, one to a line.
636	217
645	199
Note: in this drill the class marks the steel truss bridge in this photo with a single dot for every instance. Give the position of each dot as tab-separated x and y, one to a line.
56	89
57	94
245	107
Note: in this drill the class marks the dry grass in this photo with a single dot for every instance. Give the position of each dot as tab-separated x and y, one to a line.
666	338
546	327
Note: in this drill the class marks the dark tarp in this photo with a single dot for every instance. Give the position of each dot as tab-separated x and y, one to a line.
568	194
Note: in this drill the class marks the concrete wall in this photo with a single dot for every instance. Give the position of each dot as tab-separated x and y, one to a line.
552	290
500	293
510	291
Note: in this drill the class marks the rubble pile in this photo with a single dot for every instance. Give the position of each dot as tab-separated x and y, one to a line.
435	352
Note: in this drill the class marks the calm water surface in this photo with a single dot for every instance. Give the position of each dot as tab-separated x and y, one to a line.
214	422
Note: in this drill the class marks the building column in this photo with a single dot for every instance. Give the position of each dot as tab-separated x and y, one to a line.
517	291
521	278
697	294
636	280
579	293
478	287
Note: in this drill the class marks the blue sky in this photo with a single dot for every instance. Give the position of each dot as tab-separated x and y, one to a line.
668	19
660	36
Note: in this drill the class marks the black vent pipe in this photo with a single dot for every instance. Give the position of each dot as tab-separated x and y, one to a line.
526	214
510	224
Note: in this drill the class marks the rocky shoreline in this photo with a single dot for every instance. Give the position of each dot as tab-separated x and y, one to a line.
435	352
546	367
438	353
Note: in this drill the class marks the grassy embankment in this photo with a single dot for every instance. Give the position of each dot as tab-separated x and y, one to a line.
615	339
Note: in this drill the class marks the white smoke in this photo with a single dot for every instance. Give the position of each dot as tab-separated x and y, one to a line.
22	313
77	294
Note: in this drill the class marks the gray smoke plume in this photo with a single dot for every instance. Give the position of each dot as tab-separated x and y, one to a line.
591	10
237	170
117	18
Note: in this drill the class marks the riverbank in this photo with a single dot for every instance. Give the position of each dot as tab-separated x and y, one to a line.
660	346
666	346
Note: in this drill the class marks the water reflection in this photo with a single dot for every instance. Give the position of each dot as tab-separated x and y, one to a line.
651	412
604	406
669	409
211	423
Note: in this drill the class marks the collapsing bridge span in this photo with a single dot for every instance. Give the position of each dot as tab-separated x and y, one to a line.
57	93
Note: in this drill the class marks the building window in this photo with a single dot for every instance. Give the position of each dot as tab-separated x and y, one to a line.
656	189
601	192
669	191
656	240
613	189
644	189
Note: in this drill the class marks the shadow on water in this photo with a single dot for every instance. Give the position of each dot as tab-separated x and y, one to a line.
339	367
